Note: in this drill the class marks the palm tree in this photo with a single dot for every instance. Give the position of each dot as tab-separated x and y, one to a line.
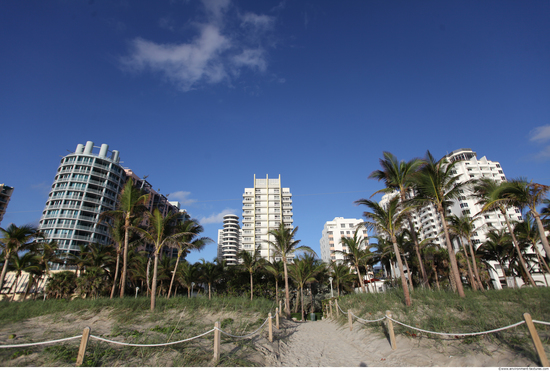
130	204
436	184
497	247
493	196
160	233
527	234
303	271
524	194
356	254
388	221
397	176
117	233
249	262
341	274
26	262
14	240
80	260
463	227
276	269
284	245
188	274
209	273
188	242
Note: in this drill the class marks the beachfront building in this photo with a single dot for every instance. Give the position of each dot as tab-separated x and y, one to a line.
5	195
330	242
86	184
264	207
428	223
229	239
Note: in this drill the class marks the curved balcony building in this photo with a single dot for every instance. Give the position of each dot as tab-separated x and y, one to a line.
229	239
86	184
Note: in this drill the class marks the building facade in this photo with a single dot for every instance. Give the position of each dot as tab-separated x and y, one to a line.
5	196
86	184
229	239
265	206
330	242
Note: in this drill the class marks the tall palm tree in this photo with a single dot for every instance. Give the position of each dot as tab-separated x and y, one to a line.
527	234
397	176
80	260
524	194
188	242
497	247
356	254
161	232
284	245
276	269
250	261
26	262
117	233
130	204
341	274
492	196
14	240
187	275
209	273
463	227
388	221
436	184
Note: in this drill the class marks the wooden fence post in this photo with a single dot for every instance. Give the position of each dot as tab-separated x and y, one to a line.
389	323
336	308
536	340
350	320
280	306
217	338
330	308
277	318
83	345
270	328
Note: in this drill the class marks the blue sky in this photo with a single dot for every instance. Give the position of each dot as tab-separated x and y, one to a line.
202	95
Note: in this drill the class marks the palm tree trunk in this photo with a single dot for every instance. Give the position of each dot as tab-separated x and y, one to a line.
251	287
154	283
402	272
209	291
147	275
417	250
361	281
14	284
476	272
302	300
504	273
470	273
454	265
174	275
311	291
125	255
116	275
516	245
436	278
409	274
4	271
542	233
287	295
542	264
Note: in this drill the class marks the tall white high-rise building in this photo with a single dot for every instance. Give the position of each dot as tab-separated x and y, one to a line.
333	231
264	207
229	239
428	222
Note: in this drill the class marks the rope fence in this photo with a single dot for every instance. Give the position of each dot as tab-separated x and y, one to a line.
216	330
389	324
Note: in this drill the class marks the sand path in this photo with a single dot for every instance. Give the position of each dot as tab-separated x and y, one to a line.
328	344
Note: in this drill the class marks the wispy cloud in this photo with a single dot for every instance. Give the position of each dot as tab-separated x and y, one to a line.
216	218
541	134
182	197
224	45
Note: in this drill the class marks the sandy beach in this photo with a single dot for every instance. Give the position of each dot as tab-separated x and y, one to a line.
327	344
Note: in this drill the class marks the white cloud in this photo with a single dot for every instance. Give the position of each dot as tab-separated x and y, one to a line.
544	154
216	218
218	53
540	134
182	197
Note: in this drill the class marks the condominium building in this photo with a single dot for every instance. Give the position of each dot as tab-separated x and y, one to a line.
5	195
86	184
264	208
229	239
427	221
333	231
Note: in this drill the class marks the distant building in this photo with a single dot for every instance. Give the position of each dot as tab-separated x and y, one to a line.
264	208
5	195
229	239
330	242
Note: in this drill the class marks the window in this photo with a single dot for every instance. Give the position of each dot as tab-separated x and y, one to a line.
466	212
348	232
350	225
343	225
341	232
486	216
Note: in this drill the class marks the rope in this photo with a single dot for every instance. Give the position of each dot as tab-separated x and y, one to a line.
542	323
149	345
243	336
43	342
368	320
468	334
341	309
